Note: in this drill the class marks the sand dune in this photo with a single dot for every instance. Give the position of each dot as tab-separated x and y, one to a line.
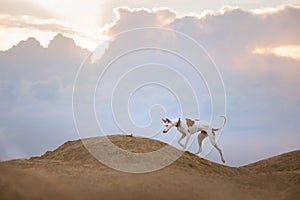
71	172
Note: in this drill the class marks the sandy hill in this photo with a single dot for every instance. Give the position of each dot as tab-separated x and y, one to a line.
75	151
71	172
284	162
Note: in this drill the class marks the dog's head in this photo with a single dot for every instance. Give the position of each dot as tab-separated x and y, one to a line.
168	125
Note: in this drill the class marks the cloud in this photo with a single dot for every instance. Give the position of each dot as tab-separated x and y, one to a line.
257	27
9	7
243	30
32	22
35	96
283	51
46	89
126	19
19	27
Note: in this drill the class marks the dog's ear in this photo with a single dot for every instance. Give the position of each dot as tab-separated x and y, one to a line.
178	123
164	120
168	120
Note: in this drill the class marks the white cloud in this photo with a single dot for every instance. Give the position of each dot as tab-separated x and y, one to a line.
9	7
282	51
126	19
19	27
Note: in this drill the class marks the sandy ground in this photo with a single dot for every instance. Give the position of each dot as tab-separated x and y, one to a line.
71	173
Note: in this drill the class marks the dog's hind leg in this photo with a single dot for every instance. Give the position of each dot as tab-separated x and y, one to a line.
220	152
211	136
213	142
201	137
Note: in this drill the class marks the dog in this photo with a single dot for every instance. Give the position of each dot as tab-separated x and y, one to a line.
193	126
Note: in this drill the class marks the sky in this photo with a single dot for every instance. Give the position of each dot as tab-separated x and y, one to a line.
85	21
255	46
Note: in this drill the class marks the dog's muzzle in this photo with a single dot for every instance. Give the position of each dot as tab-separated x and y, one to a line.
164	131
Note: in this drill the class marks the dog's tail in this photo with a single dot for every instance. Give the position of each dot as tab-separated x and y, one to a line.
217	129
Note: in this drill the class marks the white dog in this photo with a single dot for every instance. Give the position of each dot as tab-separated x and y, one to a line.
191	127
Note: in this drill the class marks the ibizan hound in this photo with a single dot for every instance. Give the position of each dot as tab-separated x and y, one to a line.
194	126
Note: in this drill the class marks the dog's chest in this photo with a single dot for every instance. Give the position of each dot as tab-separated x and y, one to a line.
182	129
185	129
194	128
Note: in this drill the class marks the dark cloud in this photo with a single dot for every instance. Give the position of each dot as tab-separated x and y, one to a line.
35	96
46	89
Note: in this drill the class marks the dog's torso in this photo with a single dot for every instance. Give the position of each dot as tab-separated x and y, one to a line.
192	126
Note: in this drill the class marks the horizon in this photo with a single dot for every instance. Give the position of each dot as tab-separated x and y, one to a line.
257	58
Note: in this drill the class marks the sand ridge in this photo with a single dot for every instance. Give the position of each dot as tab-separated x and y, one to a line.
71	172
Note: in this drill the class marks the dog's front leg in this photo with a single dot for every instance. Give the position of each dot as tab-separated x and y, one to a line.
188	135
180	139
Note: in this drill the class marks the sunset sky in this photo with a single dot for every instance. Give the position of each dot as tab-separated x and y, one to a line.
86	21
254	43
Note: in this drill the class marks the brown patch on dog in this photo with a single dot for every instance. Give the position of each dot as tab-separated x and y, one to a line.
189	122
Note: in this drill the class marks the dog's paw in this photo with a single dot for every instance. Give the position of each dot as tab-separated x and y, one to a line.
200	150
